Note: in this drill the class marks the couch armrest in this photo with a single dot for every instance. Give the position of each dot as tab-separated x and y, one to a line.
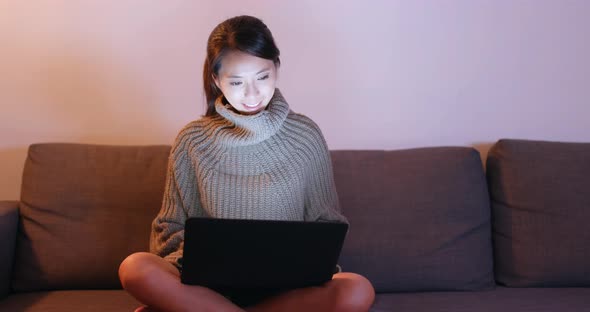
8	226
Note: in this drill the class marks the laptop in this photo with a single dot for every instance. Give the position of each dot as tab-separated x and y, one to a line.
234	254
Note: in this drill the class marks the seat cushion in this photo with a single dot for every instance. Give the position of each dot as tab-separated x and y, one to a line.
500	299
419	218
83	209
540	195
8	226
70	300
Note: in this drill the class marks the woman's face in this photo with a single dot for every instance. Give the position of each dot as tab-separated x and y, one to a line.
246	81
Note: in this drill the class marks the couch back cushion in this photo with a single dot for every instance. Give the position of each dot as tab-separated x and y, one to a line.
83	209
541	210
419	218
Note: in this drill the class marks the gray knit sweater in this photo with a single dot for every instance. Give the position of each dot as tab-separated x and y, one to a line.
274	165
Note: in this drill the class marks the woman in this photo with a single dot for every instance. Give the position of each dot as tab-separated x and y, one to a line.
249	157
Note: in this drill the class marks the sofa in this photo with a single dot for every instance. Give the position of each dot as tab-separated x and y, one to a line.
430	228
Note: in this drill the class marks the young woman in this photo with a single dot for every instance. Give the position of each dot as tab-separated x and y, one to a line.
249	157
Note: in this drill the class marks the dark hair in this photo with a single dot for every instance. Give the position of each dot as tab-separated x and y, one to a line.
242	33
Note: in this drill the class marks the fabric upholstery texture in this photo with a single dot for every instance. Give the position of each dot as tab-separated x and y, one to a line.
8	225
70	300
419	218
83	209
501	299
540	194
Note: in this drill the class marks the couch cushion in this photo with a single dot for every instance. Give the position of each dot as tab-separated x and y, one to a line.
541	209
8	226
419	218
66	300
83	209
500	299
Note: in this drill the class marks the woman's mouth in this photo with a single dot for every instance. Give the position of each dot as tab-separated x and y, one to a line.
252	105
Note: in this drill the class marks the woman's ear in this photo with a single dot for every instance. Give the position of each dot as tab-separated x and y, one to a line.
276	72
216	81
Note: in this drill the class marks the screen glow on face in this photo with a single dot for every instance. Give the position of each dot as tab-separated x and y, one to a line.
247	81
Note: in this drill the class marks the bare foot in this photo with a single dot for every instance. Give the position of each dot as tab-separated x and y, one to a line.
141	309
144	309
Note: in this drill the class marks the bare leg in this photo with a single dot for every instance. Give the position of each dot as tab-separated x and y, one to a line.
156	283
345	292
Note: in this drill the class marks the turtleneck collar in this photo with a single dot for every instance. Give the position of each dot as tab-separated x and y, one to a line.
251	129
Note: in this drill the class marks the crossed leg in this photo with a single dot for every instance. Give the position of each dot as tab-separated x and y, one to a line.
156	283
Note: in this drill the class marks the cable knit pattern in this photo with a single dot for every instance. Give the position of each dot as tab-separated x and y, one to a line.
274	165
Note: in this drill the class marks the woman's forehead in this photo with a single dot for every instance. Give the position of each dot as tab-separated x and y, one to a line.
239	64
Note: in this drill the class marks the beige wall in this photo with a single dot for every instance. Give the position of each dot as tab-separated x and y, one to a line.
373	74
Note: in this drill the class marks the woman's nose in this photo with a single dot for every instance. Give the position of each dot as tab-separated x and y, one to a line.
251	90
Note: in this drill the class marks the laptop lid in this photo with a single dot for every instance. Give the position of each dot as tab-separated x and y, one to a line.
233	254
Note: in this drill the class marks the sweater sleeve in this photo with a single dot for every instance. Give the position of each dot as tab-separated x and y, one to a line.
180	201
321	197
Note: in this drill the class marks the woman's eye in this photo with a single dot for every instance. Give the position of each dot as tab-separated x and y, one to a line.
264	77
235	83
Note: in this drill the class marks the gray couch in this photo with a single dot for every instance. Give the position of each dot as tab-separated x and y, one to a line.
429	227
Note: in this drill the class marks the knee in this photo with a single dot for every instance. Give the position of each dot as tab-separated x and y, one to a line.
134	270
355	293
